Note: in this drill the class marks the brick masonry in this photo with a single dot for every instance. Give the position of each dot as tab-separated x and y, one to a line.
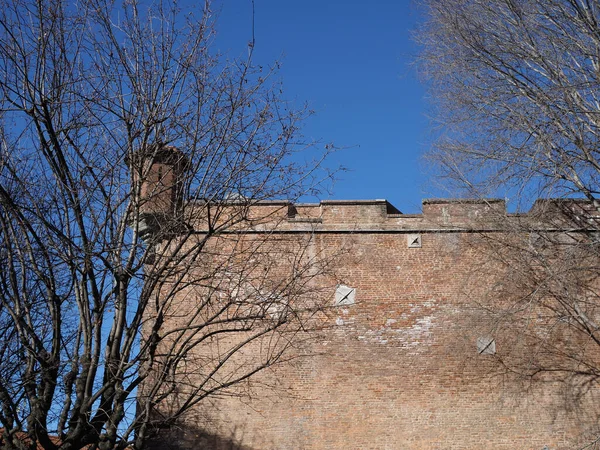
395	363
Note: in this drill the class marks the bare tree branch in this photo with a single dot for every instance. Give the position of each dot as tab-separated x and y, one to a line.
140	258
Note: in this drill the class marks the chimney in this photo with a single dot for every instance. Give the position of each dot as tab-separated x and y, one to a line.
161	169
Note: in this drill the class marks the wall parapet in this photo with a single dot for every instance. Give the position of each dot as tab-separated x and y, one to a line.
438	215
380	215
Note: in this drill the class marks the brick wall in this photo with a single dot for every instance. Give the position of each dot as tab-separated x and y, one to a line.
395	363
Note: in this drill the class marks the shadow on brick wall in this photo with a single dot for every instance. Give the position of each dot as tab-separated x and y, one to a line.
186	437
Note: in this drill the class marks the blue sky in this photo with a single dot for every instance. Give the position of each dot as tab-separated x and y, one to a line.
350	60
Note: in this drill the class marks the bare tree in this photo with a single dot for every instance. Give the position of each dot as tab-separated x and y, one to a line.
133	273
515	86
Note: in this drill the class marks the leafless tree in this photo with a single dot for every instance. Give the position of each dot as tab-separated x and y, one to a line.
515	89
133	273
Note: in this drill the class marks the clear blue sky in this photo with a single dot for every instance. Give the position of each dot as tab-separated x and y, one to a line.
350	60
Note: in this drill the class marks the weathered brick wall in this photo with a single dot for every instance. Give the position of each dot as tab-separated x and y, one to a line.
396	365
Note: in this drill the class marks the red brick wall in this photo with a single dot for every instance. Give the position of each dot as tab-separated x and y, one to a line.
399	368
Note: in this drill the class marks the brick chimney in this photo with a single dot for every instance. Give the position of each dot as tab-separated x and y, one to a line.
162	169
